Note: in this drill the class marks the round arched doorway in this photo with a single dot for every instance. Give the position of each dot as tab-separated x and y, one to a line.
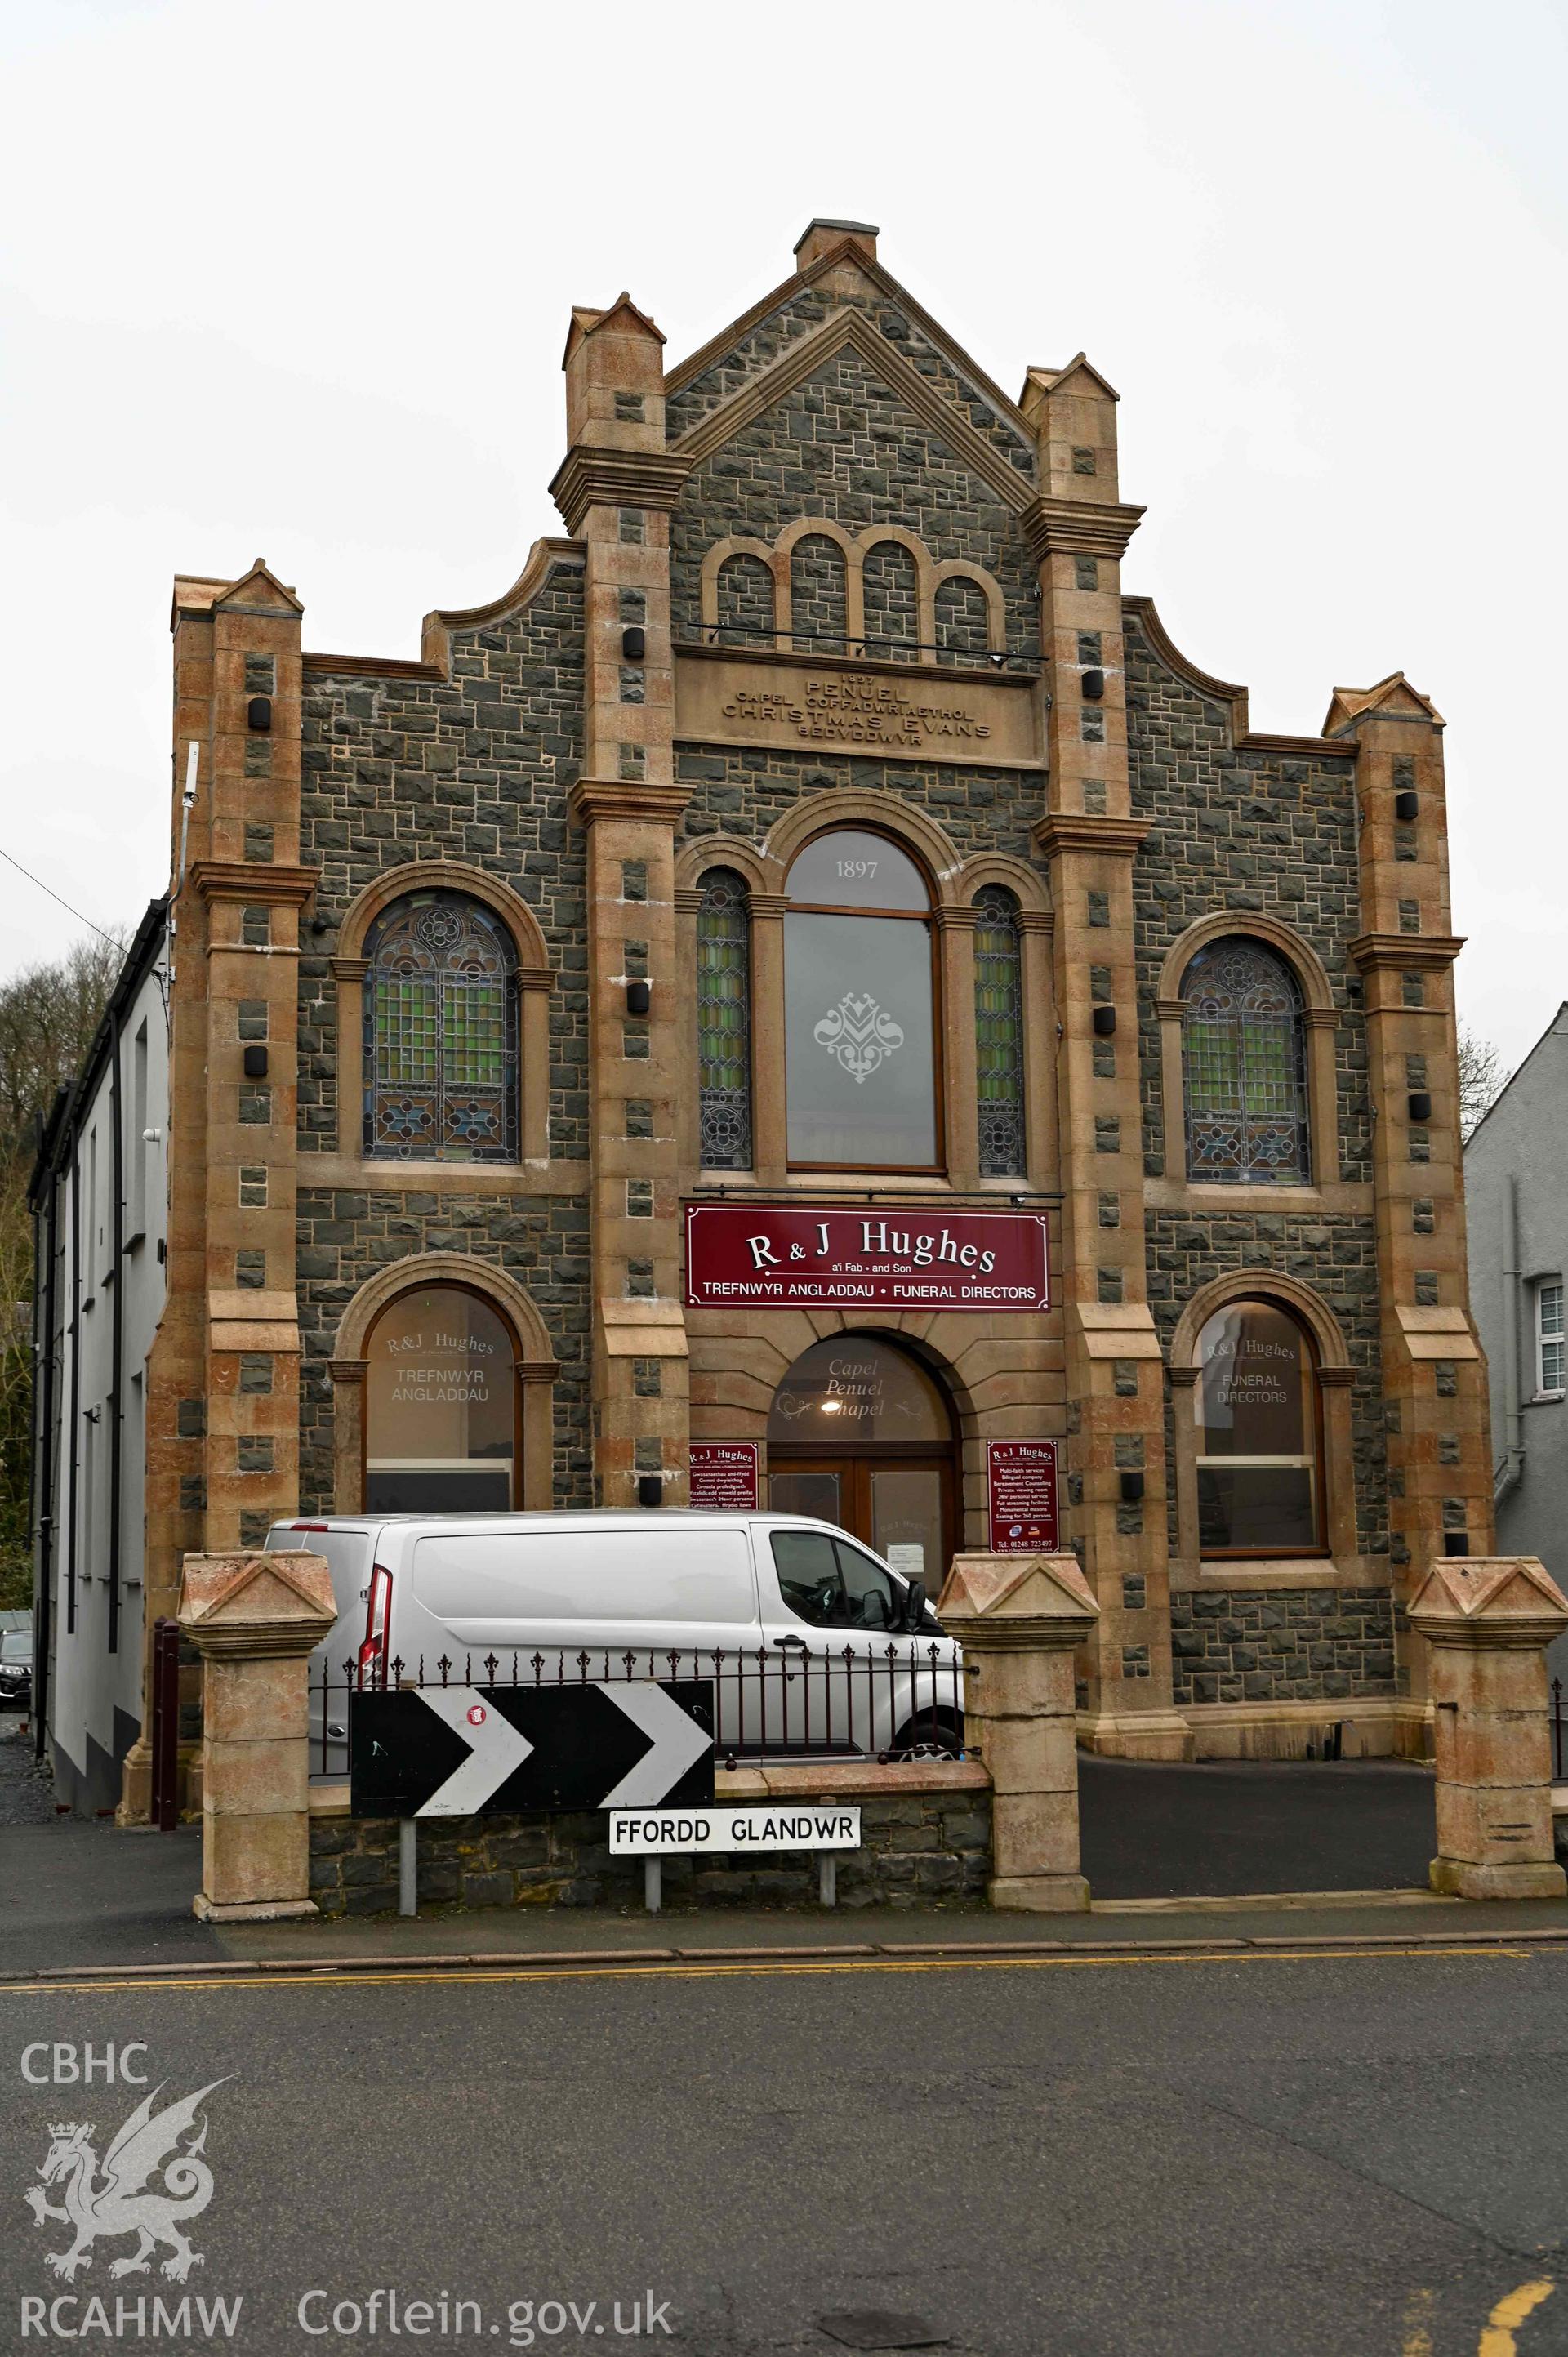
442	1432
860	1434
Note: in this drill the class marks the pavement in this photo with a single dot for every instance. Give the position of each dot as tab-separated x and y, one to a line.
1188	2124
1253	2154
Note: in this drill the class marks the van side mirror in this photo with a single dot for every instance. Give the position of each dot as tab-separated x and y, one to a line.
915	1606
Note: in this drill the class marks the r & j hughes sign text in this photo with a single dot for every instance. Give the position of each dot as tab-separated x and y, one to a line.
766	1257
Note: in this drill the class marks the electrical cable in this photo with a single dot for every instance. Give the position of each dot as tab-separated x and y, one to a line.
64	904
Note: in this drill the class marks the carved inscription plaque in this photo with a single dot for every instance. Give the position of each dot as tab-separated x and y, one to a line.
908	714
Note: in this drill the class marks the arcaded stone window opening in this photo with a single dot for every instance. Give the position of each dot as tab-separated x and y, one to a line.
1244	1067
999	1034
746	604
441	1046
818	596
963	621
892	592
724	1022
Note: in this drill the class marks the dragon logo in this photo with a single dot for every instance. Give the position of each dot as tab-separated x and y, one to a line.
860	1034
121	2201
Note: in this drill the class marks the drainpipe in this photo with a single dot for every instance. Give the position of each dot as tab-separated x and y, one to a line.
48	1364
74	1444
1510	1472
117	1343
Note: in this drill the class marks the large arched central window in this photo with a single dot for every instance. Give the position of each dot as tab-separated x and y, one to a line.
1255	1401
440	1032
1244	1067
860	1007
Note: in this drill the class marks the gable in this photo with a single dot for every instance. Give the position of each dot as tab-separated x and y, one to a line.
726	369
847	442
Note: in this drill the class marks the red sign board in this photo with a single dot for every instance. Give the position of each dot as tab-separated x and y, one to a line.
1021	1484
724	1476
772	1257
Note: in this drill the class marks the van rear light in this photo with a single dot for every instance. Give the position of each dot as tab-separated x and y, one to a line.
307	1526
378	1619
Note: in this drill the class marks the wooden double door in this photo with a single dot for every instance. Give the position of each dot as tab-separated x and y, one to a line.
897	1501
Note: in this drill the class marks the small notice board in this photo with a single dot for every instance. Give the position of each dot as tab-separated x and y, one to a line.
724	1476
1021	1479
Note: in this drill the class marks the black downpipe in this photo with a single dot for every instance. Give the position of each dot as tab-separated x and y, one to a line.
70	1512
46	1364
117	1340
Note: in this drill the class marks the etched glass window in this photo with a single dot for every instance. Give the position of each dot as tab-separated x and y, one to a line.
859	1008
440	1033
1245	1067
723	1023
999	1034
440	1406
1255	1401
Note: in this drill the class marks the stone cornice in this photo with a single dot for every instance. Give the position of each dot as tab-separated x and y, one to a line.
1059	527
626	798
1377	952
589	478
1079	831
255	885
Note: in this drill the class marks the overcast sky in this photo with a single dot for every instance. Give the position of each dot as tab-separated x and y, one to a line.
293	281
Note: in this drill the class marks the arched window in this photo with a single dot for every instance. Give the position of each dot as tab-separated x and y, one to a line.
1255	1401
441	1414
859	1008
1244	1066
724	1022
818	596
999	1034
440	1032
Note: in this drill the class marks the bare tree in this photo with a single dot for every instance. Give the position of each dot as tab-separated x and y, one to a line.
1483	1076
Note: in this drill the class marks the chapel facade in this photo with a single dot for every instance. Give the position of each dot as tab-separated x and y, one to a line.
811	998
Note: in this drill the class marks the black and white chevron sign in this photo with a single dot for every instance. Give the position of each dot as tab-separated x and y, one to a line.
469	1752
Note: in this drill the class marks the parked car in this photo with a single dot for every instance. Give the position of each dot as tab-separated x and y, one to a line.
16	1665
815	1644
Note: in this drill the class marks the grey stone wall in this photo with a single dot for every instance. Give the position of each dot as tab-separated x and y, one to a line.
1298	1644
746	603
788	320
543	1241
478	770
744	793
843	445
1249	831
917	1847
1255	831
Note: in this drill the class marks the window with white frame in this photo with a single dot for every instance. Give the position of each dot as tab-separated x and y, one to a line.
1549	1335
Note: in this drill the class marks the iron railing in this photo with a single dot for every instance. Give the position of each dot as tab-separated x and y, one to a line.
897	1700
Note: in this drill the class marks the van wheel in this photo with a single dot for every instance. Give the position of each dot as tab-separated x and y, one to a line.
928	1738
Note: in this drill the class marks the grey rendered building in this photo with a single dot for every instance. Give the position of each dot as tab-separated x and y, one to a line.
1517	1187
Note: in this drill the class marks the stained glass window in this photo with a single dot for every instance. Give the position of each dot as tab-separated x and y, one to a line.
999	1034
1244	1067
440	1033
724	1022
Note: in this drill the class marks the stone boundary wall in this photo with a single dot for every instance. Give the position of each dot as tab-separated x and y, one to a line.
927	1836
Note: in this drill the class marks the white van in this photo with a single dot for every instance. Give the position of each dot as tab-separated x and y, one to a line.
816	1646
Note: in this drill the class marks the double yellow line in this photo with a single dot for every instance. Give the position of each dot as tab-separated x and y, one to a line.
688	1968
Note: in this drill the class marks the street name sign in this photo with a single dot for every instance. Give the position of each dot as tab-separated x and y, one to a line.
465	1751
677	1832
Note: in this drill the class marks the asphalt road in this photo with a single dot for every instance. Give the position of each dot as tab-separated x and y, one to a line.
1224	2157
